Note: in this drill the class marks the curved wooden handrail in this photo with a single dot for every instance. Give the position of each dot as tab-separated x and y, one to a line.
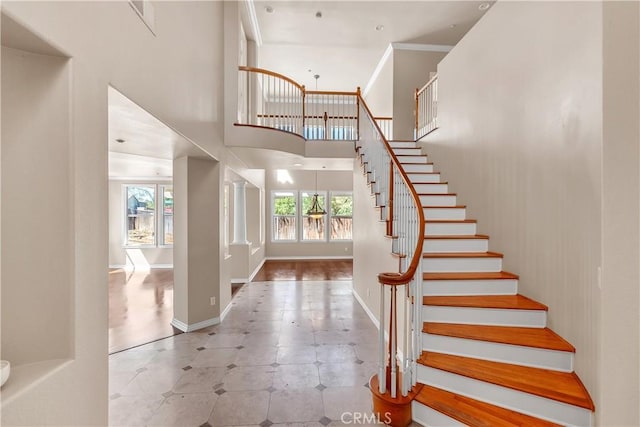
396	279
330	92
271	73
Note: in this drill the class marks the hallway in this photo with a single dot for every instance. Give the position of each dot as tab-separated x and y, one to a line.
287	352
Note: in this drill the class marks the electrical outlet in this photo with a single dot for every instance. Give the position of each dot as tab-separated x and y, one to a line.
368	292
213	300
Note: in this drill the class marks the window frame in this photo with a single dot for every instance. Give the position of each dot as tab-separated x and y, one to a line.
158	215
300	216
331	216
296	216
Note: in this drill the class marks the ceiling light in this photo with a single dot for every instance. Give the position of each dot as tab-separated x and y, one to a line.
316	211
318	14
484	6
379	27
120	140
297	164
452	26
268	9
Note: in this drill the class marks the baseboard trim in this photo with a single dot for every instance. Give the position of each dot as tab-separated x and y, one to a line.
250	278
366	309
195	326
225	312
287	258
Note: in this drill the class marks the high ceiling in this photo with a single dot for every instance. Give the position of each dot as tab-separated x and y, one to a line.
344	46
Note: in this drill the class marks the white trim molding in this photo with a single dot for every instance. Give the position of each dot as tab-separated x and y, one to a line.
366	309
402	46
179	324
253	18
250	278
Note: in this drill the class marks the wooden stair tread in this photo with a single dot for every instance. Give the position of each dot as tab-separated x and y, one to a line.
462	255
475	413
498	275
435	194
457	236
450	221
563	387
515	302
543	338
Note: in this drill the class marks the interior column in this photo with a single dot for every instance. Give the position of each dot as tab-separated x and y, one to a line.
196	248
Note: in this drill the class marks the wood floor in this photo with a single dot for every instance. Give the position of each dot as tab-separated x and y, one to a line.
140	307
141	303
338	269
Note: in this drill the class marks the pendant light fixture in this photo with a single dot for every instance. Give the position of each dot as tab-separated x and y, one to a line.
316	210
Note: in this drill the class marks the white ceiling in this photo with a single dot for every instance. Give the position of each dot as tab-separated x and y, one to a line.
149	145
343	46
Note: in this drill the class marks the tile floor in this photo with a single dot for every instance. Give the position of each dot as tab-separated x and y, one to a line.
288	353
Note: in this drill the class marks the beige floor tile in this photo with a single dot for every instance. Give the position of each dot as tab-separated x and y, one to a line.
240	408
215	357
184	409
296	354
299	405
199	380
242	378
347	403
346	374
254	356
289	377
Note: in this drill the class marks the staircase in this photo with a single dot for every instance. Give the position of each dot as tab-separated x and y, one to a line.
487	357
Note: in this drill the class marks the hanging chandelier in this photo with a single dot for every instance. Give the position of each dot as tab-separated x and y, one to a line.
316	211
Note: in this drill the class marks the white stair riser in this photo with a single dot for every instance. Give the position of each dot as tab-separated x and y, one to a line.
431	188
417	178
437	200
427	416
497	352
525	403
413	159
485	316
417	168
461	265
407	151
402	144
455	245
450	228
450	214
470	287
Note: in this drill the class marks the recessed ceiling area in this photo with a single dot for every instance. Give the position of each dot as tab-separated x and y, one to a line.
257	158
344	46
140	145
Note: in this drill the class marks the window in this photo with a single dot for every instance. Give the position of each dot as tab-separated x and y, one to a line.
341	215
167	215
227	222
313	228
149	213
141	215
289	221
284	216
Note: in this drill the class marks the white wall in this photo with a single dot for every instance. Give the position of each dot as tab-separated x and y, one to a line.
379	98
177	76
371	250
619	393
305	181
153	257
410	72
520	141
37	238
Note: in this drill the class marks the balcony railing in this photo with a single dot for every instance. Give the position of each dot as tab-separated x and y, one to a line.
427	108
386	126
271	100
